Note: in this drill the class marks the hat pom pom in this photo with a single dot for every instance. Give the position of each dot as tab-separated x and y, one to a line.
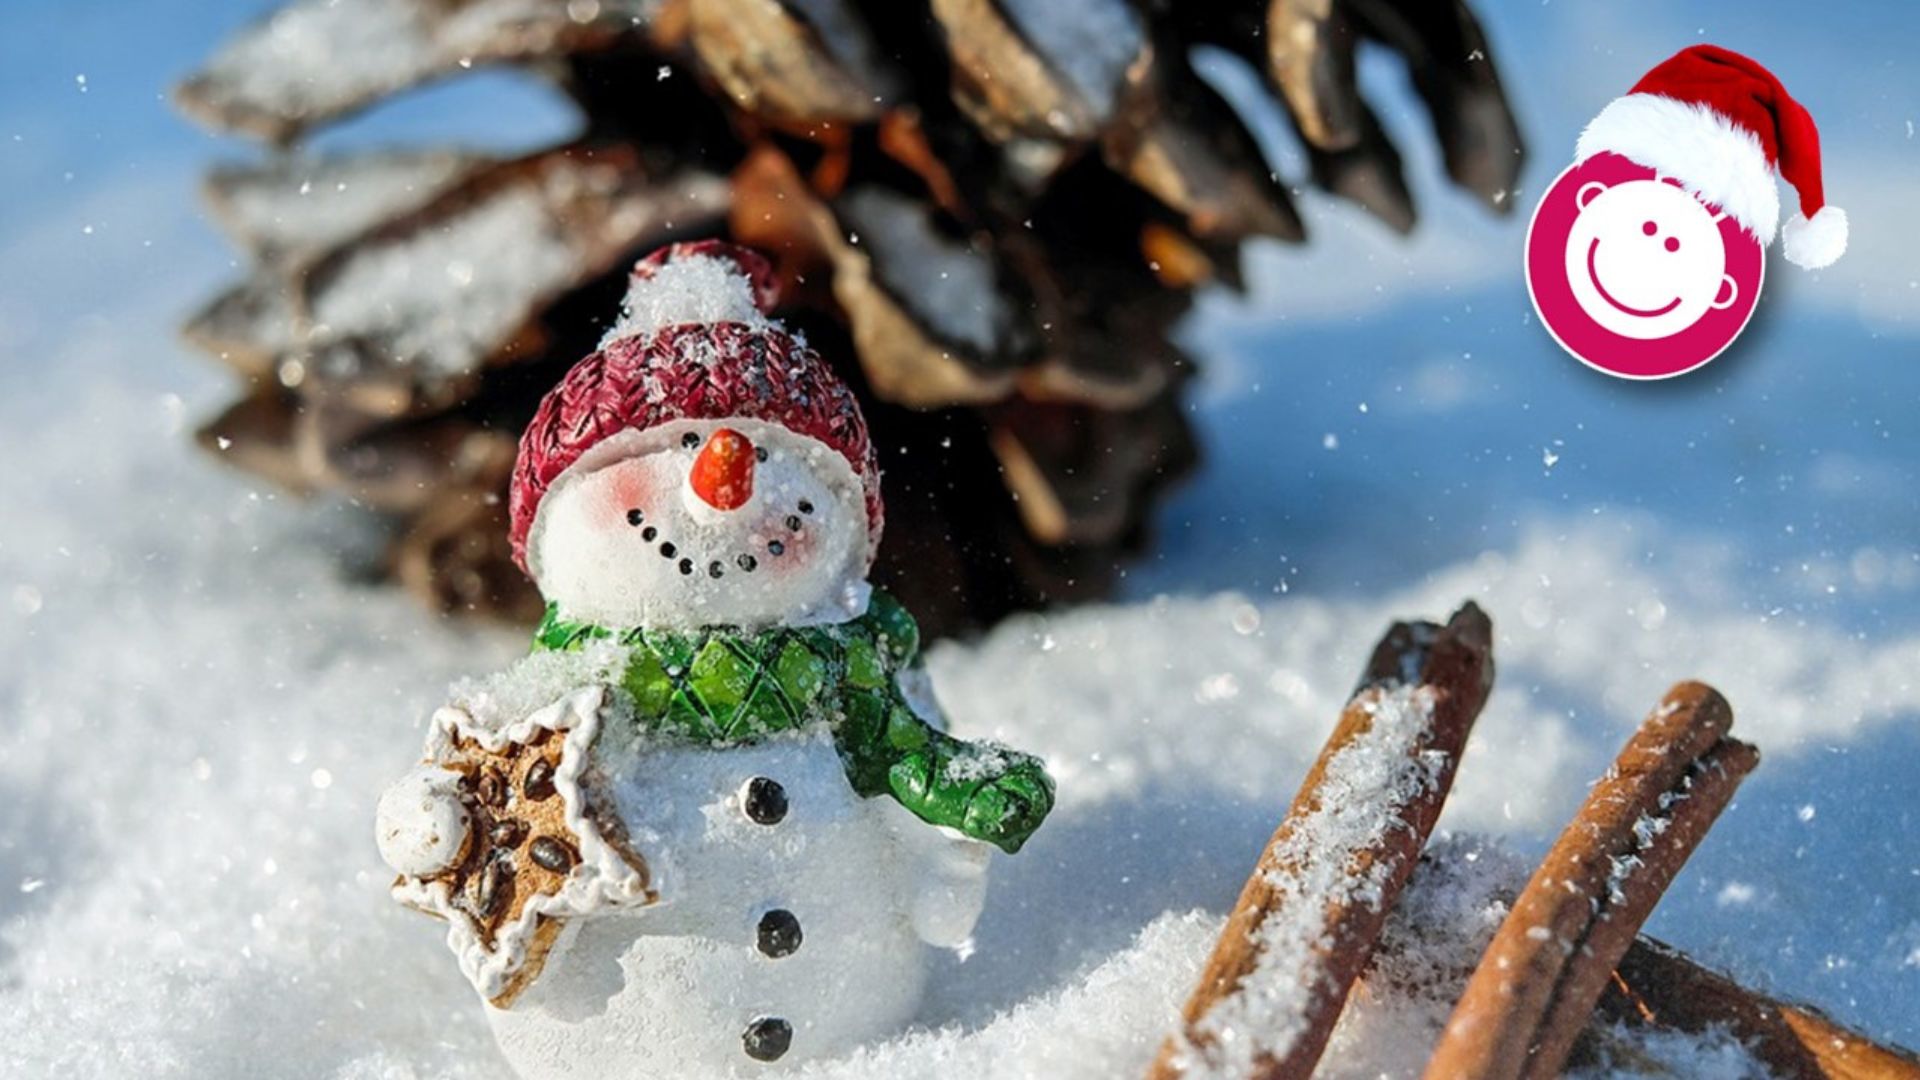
1817	241
704	281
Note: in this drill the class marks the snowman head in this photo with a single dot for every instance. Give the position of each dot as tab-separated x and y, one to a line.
699	473
1645	259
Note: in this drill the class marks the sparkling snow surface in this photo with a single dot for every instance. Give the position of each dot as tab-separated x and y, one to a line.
201	714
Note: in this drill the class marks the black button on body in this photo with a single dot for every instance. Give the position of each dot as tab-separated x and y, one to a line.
779	933
765	801
767	1038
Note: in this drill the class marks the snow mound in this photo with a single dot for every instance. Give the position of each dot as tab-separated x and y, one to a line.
199	715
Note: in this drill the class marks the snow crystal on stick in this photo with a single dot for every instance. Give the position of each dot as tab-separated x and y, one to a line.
939	279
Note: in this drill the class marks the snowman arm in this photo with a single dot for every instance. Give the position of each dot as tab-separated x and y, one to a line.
984	791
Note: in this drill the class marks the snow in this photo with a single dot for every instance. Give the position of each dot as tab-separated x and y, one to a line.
940	280
1654	1055
701	289
315	57
494	700
976	761
218	911
443	298
300	205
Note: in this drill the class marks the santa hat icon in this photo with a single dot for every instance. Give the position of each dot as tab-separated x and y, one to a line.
1721	124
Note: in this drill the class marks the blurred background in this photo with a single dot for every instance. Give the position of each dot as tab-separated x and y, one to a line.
198	663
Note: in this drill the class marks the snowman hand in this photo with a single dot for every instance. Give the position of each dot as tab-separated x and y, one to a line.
1005	810
951	891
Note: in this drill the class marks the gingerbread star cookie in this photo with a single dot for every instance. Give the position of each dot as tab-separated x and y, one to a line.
500	833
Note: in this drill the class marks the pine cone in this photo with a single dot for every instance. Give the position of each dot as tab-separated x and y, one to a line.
992	212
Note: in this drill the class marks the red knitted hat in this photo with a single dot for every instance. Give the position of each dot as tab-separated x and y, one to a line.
694	343
1721	124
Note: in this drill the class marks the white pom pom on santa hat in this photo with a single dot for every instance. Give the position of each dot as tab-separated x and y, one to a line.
1721	125
699	282
1816	241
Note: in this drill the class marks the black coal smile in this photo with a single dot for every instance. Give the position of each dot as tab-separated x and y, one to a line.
716	568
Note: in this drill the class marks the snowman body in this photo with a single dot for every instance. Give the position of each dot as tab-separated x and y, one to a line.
784	931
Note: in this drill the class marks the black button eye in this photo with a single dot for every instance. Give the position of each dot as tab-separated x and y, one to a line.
690	440
764	801
760	453
806	507
635	517
767	1038
778	934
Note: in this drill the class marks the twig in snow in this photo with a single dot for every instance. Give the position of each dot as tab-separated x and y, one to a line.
1306	923
1655	986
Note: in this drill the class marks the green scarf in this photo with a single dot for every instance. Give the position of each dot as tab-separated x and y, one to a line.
724	687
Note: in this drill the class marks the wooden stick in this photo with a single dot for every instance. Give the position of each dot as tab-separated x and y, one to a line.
1377	789
1655	986
1706	790
1539	978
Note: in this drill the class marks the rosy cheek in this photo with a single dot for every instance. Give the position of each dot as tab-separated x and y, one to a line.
797	549
624	490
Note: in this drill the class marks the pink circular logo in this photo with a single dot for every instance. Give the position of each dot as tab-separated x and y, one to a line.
1634	276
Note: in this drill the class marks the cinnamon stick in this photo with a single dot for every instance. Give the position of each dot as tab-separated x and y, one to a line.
1315	903
1655	986
1703	794
1539	979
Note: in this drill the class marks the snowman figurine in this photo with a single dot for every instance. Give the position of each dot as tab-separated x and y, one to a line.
713	821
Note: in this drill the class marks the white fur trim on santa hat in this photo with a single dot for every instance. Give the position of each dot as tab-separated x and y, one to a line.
1710	155
1815	242
688	289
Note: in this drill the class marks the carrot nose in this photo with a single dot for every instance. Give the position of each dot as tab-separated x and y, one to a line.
723	472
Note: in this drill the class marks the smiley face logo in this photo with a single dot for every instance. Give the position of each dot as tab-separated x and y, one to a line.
1634	275
1645	258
